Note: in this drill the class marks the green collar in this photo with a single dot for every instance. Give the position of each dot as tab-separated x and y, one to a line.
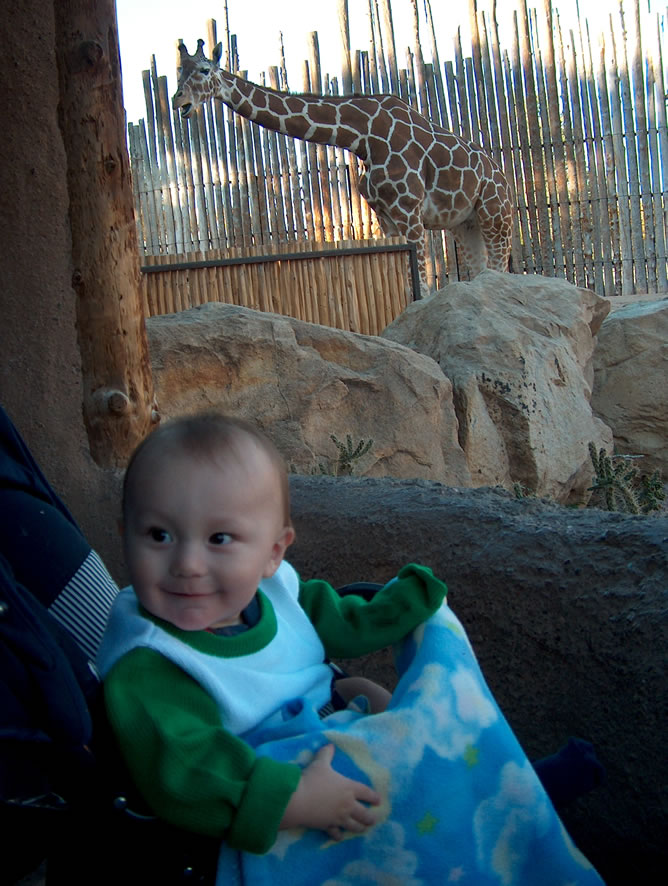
252	640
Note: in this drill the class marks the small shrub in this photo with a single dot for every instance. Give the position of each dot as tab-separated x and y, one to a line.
348	456
621	485
521	491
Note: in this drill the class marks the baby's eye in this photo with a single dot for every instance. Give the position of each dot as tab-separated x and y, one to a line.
159	535
220	538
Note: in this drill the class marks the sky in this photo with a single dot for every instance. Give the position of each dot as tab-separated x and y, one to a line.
152	27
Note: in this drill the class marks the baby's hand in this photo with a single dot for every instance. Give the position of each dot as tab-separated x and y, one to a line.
328	801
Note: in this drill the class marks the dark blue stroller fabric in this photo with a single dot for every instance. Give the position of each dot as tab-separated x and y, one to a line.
45	691
41	548
47	686
38	535
19	470
48	553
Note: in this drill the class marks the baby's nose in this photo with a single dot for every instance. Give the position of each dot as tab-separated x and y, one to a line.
187	560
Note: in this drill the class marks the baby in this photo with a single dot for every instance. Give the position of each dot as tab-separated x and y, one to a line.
218	638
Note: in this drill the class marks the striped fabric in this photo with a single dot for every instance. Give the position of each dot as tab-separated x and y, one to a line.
83	605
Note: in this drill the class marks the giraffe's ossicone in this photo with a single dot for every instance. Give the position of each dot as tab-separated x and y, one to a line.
417	175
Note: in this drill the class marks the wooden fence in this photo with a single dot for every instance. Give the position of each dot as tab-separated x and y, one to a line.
359	287
578	124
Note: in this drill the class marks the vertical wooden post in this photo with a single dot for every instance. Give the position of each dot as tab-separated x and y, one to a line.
118	388
346	64
391	49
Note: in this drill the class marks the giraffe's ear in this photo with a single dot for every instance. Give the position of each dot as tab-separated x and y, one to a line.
217	52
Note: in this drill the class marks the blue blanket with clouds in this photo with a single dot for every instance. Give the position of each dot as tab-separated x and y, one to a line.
462	804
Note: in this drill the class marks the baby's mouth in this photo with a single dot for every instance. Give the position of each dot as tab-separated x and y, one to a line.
186	593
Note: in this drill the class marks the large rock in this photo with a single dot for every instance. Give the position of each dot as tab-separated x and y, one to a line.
566	611
630	384
302	383
518	350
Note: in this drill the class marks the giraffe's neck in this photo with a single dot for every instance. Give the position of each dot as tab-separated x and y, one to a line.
312	118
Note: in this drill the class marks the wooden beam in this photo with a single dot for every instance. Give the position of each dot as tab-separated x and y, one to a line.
118	387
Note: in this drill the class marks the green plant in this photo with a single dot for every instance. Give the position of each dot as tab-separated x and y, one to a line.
521	491
651	492
347	456
622	486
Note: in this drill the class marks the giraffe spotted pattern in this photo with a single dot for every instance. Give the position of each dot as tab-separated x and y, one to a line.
417	176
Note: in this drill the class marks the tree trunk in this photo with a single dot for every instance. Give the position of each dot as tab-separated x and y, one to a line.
118	387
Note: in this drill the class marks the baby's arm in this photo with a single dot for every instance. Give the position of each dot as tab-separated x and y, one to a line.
327	801
191	771
350	626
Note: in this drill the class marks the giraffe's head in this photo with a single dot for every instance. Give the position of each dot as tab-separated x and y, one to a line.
197	78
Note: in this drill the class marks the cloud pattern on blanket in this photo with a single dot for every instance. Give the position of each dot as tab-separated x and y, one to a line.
462	804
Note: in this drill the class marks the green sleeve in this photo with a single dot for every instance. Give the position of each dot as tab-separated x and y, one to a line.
191	771
350	626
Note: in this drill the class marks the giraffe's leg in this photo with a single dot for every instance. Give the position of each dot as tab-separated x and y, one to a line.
409	226
387	224
471	245
498	252
420	254
495	220
416	235
498	241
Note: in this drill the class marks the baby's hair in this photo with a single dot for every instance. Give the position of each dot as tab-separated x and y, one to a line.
207	435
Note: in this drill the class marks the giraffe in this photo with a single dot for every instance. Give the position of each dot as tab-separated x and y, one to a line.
417	175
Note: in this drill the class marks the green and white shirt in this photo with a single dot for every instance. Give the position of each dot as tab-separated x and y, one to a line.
179	702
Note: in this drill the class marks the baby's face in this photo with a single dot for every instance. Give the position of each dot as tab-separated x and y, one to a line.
201	534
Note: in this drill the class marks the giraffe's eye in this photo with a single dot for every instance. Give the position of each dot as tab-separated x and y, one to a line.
204	70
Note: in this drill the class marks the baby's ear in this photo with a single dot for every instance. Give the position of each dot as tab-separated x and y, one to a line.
281	544
289	535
